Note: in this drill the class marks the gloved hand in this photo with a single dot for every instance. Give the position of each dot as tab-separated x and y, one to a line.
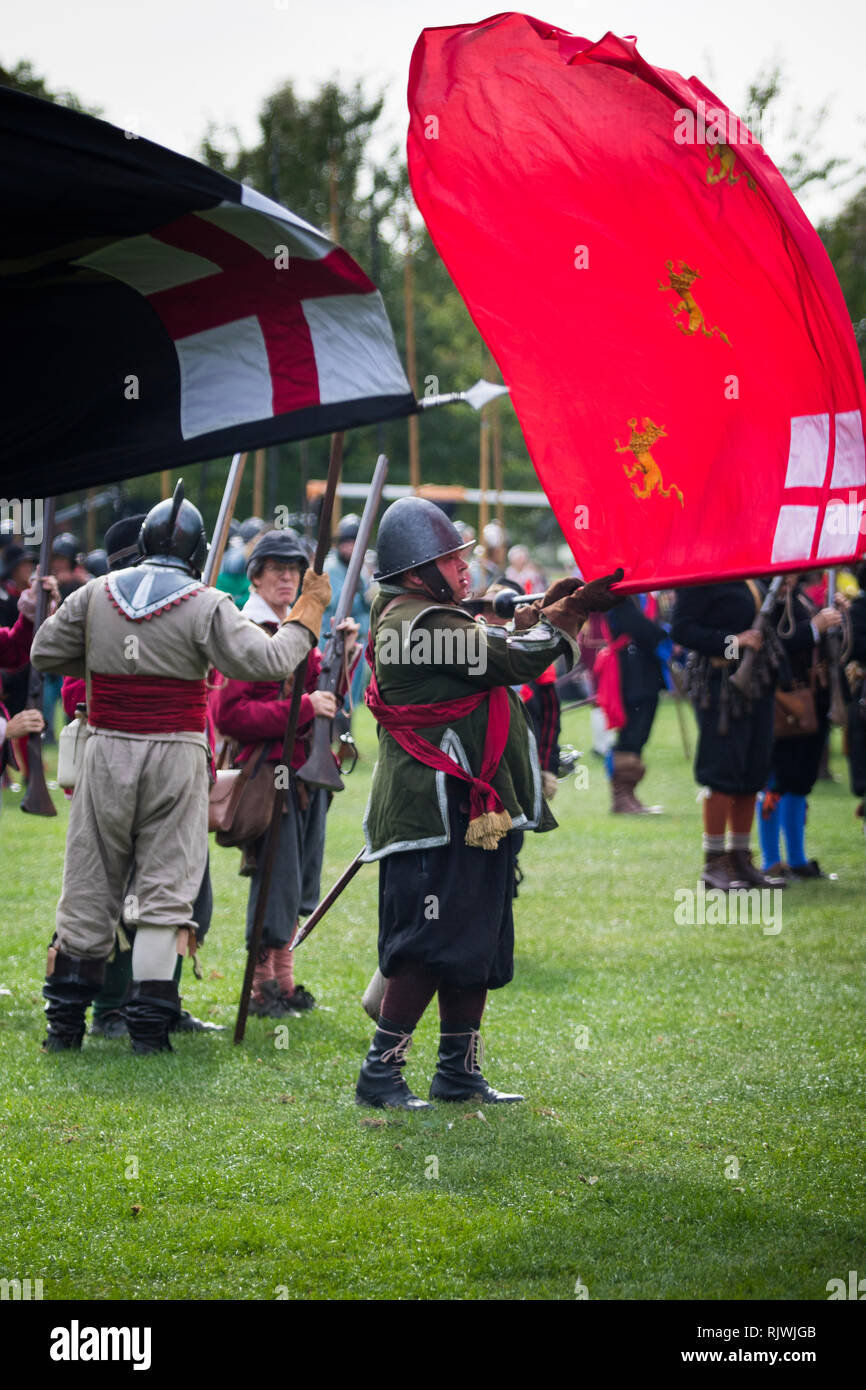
526	615
309	609
317	587
563	588
570	613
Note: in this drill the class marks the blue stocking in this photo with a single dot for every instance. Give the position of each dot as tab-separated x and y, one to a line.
768	833
793	810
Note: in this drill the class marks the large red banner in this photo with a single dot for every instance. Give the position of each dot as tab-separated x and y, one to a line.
675	339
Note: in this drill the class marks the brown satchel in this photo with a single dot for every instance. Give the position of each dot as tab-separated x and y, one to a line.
794	714
242	801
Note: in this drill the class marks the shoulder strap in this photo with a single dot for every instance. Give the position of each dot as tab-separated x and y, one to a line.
756	595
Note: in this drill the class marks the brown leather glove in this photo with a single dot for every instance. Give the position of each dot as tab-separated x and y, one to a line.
526	615
563	588
309	609
570	613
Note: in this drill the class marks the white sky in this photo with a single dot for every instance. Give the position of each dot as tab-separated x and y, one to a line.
166	67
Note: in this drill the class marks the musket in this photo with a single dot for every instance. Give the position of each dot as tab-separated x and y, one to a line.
742	677
320	770
37	799
833	637
223	521
329	899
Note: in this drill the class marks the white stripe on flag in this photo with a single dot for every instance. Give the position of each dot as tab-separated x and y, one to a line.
849	463
149	265
266	233
225	378
795	528
354	347
807	456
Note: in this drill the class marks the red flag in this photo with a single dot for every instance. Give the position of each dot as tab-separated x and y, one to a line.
677	345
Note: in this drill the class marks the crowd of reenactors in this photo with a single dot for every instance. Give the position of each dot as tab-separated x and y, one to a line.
463	672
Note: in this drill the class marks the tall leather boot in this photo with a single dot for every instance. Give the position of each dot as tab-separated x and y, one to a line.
628	770
621	801
458	1071
151	1011
381	1082
71	983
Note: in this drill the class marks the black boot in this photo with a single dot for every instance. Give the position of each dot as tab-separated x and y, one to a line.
381	1081
72	982
151	1011
458	1073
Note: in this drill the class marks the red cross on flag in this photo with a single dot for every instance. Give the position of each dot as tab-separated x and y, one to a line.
177	315
677	346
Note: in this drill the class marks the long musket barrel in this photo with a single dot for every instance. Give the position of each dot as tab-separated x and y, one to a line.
37	799
320	770
329	899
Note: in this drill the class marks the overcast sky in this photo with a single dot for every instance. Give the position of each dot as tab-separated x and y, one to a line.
165	68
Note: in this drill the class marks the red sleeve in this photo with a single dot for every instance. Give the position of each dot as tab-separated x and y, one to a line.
15	644
73	692
250	711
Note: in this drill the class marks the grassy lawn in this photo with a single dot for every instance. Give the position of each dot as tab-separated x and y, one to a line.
693	1125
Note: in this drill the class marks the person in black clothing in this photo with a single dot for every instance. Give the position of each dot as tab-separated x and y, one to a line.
641	679
856	678
796	760
716	623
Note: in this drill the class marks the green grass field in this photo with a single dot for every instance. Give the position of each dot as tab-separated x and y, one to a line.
694	1118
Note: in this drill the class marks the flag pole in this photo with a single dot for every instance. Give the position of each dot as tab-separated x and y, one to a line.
299	681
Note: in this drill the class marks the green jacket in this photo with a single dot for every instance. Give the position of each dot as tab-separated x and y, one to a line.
426	652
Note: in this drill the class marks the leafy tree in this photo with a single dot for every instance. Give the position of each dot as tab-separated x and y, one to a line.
845	239
22	78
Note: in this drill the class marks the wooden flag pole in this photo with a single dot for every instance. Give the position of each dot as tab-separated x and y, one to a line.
300	676
411	367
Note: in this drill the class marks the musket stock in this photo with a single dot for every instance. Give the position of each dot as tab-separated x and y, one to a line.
741	679
320	770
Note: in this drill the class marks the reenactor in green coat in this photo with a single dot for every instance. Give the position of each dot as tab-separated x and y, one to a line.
456	784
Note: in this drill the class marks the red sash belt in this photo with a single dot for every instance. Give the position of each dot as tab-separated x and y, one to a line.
147	704
400	720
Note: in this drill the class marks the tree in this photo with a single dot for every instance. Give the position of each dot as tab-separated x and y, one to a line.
22	78
845	239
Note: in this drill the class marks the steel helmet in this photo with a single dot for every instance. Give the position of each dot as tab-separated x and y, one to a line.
413	532
348	528
173	534
65	546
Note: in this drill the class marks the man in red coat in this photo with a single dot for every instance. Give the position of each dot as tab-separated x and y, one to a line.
255	713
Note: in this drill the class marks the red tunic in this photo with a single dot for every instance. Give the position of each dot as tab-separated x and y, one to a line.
15	644
253	712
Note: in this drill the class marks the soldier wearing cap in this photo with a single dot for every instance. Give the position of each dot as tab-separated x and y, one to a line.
145	637
256	713
457	774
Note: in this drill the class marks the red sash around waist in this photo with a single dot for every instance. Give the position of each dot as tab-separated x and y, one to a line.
400	720
147	704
